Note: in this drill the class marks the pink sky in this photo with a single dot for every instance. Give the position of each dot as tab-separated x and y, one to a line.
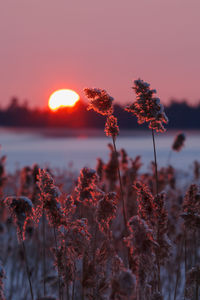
53	44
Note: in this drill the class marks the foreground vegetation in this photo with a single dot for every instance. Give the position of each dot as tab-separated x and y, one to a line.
110	233
92	257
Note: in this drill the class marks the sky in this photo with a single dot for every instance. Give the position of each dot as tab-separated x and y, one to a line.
53	44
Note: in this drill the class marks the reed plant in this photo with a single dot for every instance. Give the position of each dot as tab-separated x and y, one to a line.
74	241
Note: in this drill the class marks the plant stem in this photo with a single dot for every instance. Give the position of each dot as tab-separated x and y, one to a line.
179	256
59	281
155	160
27	267
156	180
82	291
94	253
44	253
195	247
197	290
68	292
122	197
121	189
185	252
73	289
158	264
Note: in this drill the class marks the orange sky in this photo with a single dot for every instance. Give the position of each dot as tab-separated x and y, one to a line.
53	44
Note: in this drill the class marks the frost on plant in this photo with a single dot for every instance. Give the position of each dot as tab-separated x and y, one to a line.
147	107
100	101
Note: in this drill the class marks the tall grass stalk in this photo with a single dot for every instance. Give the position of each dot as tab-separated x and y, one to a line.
44	252
121	188
59	279
185	252
197	290
195	247
94	252
83	289
179	257
26	263
73	287
68	297
155	161
156	181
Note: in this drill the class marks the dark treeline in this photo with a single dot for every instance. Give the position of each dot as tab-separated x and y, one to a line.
181	115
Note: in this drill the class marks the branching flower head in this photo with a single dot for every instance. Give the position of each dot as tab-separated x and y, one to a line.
86	188
145	203
21	210
142	247
161	218
74	240
191	208
141	240
106	210
68	206
153	211
178	142
64	262
49	199
100	101
147	107
77	236
111	127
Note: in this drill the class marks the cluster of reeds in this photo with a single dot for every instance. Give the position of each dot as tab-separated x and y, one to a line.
114	233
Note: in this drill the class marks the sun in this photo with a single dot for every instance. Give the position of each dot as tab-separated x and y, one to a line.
63	98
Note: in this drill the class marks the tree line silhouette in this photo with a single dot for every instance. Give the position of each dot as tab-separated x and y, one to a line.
181	116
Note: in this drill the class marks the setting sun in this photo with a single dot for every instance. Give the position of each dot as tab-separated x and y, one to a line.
63	98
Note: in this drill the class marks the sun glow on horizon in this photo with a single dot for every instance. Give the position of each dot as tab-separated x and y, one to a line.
63	98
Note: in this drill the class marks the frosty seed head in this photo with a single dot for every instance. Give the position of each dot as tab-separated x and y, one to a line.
178	142
86	188
111	127
147	107
106	210
100	101
191	207
21	210
141	240
145	203
49	200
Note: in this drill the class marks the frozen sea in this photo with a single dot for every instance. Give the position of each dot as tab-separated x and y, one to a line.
62	148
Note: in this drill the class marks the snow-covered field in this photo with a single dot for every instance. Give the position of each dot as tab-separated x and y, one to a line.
59	148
